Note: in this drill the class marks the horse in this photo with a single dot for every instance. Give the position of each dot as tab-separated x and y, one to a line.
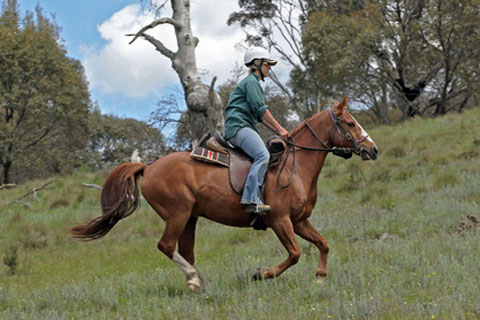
181	189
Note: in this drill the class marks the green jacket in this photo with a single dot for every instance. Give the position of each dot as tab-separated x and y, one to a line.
245	107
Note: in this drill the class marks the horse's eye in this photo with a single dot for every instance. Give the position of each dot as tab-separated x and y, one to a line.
351	124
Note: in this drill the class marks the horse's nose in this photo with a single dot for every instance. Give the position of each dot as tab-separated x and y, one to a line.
375	152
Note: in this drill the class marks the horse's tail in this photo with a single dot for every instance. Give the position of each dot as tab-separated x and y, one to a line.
119	199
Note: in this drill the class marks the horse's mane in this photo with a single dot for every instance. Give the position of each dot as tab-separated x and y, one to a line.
302	124
299	127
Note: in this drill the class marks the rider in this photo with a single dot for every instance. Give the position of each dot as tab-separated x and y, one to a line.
246	107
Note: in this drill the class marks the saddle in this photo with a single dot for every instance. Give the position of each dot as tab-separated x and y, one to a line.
221	152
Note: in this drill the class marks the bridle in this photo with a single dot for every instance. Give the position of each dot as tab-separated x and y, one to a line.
339	129
356	143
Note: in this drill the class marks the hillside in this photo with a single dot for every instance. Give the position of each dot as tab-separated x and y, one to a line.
402	244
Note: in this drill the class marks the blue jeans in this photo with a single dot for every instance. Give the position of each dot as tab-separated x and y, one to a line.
250	141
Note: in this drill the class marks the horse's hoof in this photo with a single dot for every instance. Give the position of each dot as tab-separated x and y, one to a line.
193	287
258	275
319	280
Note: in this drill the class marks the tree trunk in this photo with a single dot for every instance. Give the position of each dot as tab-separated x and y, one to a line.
205	108
6	171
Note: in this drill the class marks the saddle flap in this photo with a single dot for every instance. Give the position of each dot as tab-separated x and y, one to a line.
240	165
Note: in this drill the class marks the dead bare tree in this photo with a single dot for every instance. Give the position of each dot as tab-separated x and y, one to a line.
205	108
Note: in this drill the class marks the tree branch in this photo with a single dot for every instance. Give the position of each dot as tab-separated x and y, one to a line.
211	91
43	135
34	190
8	186
152	25
95	186
158	45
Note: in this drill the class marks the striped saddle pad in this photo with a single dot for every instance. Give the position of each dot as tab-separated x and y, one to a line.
210	156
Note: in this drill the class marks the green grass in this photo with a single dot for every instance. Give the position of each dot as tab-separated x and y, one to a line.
392	225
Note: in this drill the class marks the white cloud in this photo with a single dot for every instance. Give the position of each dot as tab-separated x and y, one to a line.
134	70
138	70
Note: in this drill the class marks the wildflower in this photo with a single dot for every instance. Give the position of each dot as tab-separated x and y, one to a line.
433	316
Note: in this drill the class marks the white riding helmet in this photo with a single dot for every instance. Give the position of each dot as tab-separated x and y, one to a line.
258	53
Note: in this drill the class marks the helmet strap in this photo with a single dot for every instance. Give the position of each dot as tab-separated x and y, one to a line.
259	68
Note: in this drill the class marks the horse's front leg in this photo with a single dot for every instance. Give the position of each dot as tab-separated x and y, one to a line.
308	232
283	228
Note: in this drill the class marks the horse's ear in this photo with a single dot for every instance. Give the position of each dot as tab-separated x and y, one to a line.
341	107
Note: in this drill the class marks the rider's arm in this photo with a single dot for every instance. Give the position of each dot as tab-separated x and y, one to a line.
270	121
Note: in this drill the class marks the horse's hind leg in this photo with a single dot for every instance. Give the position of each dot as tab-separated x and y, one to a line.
186	241
175	225
308	232
186	244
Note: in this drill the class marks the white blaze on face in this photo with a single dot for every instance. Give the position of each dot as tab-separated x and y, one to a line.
364	133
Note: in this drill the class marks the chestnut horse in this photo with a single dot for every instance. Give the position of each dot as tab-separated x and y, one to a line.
181	189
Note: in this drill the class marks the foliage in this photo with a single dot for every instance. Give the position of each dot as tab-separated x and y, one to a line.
112	141
11	260
396	252
417	56
44	99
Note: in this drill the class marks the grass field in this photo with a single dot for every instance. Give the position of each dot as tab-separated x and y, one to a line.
402	245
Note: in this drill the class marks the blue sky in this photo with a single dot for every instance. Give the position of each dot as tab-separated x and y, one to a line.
128	80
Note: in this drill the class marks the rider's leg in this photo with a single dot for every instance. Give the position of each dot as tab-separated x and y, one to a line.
250	141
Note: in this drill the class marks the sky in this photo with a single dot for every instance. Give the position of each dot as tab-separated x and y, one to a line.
128	80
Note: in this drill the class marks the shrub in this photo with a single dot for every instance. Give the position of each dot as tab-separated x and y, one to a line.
59	203
444	179
11	260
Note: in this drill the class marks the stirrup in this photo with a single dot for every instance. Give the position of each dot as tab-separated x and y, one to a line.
257	222
257	208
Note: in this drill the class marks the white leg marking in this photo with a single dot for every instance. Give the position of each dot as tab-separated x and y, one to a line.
193	279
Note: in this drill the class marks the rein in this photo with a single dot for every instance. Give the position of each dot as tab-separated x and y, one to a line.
345	153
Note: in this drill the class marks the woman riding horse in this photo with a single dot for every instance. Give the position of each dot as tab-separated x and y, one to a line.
181	190
246	107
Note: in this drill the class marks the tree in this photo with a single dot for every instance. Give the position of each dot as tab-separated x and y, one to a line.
44	99
113	140
420	56
205	108
417	56
171	117
450	31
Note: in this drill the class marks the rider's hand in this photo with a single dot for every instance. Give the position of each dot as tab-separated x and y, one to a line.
283	133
